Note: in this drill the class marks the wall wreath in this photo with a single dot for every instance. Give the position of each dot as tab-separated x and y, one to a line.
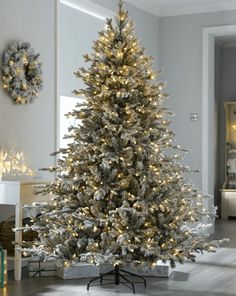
21	72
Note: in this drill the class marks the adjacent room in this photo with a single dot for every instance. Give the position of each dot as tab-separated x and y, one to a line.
117	147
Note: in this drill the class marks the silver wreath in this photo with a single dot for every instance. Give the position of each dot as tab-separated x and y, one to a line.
21	73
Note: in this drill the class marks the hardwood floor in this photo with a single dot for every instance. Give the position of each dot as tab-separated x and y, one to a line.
213	274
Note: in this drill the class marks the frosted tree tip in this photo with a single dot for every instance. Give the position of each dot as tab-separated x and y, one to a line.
122	14
121	3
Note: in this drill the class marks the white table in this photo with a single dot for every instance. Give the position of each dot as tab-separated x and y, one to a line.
19	193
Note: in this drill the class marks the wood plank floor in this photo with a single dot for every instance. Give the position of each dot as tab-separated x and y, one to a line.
212	275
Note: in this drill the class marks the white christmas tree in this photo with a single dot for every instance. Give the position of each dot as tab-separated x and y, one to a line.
120	195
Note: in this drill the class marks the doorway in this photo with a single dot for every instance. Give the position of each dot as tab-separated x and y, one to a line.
210	180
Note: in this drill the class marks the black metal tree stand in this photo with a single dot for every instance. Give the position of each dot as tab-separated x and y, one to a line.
119	278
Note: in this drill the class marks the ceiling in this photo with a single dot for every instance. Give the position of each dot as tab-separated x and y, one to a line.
180	7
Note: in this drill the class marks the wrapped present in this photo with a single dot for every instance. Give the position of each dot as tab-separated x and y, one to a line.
39	268
77	271
3	268
162	270
85	270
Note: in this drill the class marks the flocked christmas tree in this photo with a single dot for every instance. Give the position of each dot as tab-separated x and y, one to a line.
120	195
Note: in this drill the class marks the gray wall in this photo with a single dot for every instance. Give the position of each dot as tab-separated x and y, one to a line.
77	32
181	57
31	127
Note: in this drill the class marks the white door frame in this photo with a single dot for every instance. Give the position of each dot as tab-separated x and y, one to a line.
208	97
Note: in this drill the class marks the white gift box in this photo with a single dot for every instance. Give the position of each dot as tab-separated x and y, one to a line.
77	271
162	270
85	270
37	268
